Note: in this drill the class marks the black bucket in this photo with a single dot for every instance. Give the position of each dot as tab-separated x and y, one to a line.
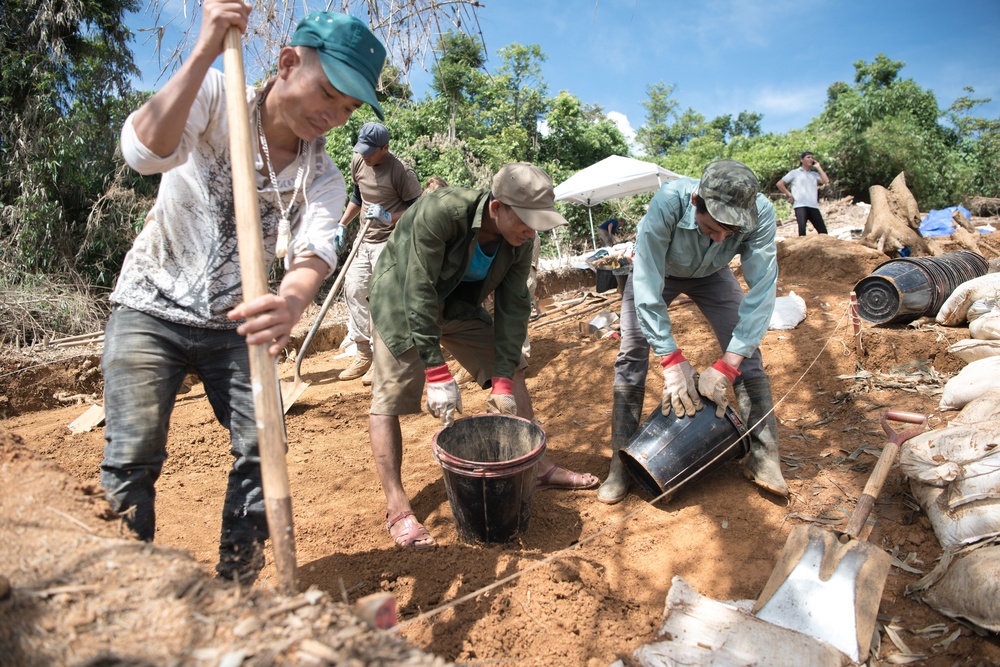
489	464
667	452
901	290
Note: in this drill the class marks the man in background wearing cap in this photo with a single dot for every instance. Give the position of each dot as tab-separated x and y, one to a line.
804	195
449	251
178	304
684	245
384	187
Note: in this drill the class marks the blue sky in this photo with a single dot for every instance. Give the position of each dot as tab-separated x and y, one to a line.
775	57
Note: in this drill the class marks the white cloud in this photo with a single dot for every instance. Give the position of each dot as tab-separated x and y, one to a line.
621	120
805	101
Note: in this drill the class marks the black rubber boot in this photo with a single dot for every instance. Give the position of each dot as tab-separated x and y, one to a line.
762	465
626	412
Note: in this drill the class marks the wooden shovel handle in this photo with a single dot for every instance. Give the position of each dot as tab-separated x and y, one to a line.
263	369
885	461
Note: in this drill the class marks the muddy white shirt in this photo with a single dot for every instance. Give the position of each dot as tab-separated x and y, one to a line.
183	266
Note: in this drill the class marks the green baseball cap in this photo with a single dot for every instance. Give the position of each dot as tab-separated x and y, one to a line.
351	55
729	189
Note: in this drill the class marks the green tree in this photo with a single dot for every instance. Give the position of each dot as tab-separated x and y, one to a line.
884	125
661	109
459	56
64	94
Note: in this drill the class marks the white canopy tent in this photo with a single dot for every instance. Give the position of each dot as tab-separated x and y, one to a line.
611	178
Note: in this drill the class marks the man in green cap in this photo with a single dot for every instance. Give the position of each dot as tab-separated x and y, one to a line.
685	242
178	304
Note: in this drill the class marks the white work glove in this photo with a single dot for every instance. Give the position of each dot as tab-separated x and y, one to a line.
680	386
338	239
443	396
714	384
378	213
501	400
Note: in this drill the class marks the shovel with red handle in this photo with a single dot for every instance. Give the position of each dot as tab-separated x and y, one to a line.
829	585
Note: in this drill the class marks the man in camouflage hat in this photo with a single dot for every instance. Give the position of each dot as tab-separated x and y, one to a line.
684	244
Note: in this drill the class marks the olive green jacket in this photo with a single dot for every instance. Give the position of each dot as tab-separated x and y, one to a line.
418	277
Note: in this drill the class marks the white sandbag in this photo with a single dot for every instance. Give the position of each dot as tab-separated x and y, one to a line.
970	350
954	310
971	382
980	307
985	409
970	589
986	327
789	311
954	473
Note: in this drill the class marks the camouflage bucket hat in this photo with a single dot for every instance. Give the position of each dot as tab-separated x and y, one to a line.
729	189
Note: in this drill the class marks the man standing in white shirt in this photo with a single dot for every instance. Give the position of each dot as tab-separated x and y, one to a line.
804	195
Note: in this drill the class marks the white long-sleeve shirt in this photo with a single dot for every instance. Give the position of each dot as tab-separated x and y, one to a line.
184	266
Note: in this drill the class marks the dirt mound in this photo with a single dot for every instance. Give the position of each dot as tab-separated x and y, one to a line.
824	257
81	592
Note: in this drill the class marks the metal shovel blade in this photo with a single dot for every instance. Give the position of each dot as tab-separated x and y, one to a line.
826	589
291	391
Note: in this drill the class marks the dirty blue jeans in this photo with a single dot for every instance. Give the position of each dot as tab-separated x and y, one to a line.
718	297
144	363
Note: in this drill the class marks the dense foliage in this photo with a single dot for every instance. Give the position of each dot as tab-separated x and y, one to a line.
66	206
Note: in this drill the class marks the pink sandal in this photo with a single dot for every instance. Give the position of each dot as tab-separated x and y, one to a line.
409	532
579	480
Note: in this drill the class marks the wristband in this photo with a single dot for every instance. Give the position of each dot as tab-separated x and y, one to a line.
502	386
726	369
438	374
673	358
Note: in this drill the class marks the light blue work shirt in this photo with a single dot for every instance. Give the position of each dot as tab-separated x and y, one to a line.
669	243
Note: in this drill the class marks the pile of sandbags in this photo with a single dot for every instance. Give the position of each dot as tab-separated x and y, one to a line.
976	302
954	474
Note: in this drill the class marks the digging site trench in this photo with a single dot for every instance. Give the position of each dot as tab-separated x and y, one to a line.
82	592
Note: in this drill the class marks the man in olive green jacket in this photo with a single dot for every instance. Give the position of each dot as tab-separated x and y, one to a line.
451	249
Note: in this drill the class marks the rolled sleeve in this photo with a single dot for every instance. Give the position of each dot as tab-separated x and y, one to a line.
145	161
320	220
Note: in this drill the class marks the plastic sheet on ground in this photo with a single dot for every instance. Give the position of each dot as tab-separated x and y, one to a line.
788	312
939	222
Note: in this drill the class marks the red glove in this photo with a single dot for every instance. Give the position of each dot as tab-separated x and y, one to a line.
501	400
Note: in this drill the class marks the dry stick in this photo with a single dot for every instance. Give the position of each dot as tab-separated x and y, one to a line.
69	339
856	324
574	312
263	369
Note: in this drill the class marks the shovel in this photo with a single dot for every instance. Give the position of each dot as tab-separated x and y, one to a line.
291	391
829	586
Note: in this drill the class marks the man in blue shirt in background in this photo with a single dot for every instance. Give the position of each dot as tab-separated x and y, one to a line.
685	242
606	232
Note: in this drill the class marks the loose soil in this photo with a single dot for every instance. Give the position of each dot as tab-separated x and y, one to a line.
593	579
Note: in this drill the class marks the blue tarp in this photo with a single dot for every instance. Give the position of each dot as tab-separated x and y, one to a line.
939	223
